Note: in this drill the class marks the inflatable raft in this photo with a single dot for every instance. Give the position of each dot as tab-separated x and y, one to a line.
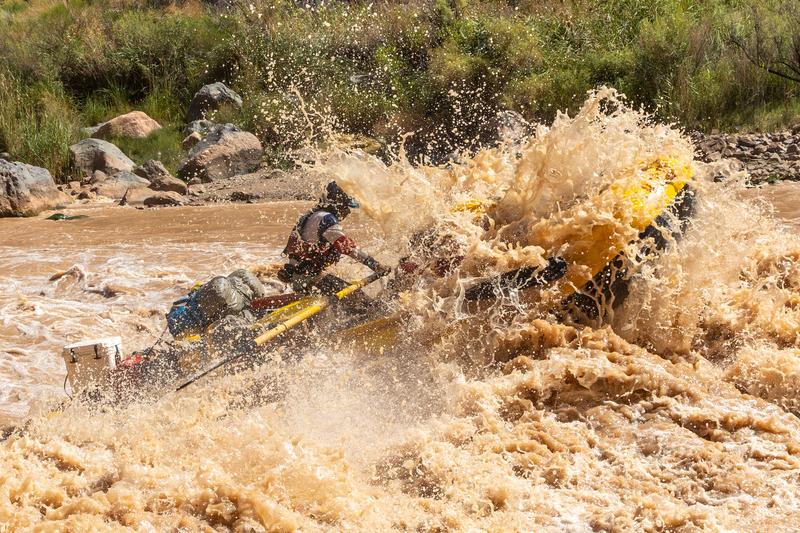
650	207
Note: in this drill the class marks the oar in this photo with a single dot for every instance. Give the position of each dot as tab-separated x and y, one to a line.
521	278
310	311
289	323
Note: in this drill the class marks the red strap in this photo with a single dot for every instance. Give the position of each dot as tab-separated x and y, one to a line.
345	245
408	267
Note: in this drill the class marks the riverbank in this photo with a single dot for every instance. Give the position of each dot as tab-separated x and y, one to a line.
439	69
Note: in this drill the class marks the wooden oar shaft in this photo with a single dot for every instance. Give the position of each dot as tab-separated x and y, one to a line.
290	323
313	310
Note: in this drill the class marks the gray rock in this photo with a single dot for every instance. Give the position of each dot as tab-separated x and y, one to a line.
151	169
159	177
96	154
210	98
117	185
164	198
198	126
26	190
226	151
793	148
191	140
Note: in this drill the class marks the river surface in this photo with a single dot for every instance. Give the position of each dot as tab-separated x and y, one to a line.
674	410
142	260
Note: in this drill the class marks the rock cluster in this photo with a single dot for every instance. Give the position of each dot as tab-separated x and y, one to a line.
150	184
222	164
159	177
766	156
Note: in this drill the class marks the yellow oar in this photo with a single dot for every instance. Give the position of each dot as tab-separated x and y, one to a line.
312	310
290	322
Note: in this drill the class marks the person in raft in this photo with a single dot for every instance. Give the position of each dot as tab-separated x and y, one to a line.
318	242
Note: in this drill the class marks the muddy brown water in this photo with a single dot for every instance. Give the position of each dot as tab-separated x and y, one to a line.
143	260
678	413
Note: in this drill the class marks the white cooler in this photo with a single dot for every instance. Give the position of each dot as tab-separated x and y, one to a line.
90	362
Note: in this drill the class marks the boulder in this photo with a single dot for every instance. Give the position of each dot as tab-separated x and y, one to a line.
226	151
26	190
136	125
117	185
191	140
198	126
164	198
159	177
210	98
96	154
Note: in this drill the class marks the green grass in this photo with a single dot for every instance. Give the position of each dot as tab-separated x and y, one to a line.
37	123
439	68
163	145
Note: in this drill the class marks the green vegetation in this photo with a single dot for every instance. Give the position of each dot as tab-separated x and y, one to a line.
438	68
163	145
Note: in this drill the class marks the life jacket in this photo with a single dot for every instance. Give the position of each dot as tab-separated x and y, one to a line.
308	251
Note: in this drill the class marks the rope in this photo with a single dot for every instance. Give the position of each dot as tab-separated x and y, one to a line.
65	387
158	340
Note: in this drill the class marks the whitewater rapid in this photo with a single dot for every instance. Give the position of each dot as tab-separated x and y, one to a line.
676	411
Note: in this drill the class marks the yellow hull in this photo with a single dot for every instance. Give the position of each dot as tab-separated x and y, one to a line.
639	202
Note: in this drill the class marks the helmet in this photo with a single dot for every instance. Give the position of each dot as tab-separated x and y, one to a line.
335	196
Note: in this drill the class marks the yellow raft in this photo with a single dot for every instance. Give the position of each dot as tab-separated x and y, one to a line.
647	204
642	204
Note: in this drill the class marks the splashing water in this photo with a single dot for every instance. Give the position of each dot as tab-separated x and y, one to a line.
675	412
